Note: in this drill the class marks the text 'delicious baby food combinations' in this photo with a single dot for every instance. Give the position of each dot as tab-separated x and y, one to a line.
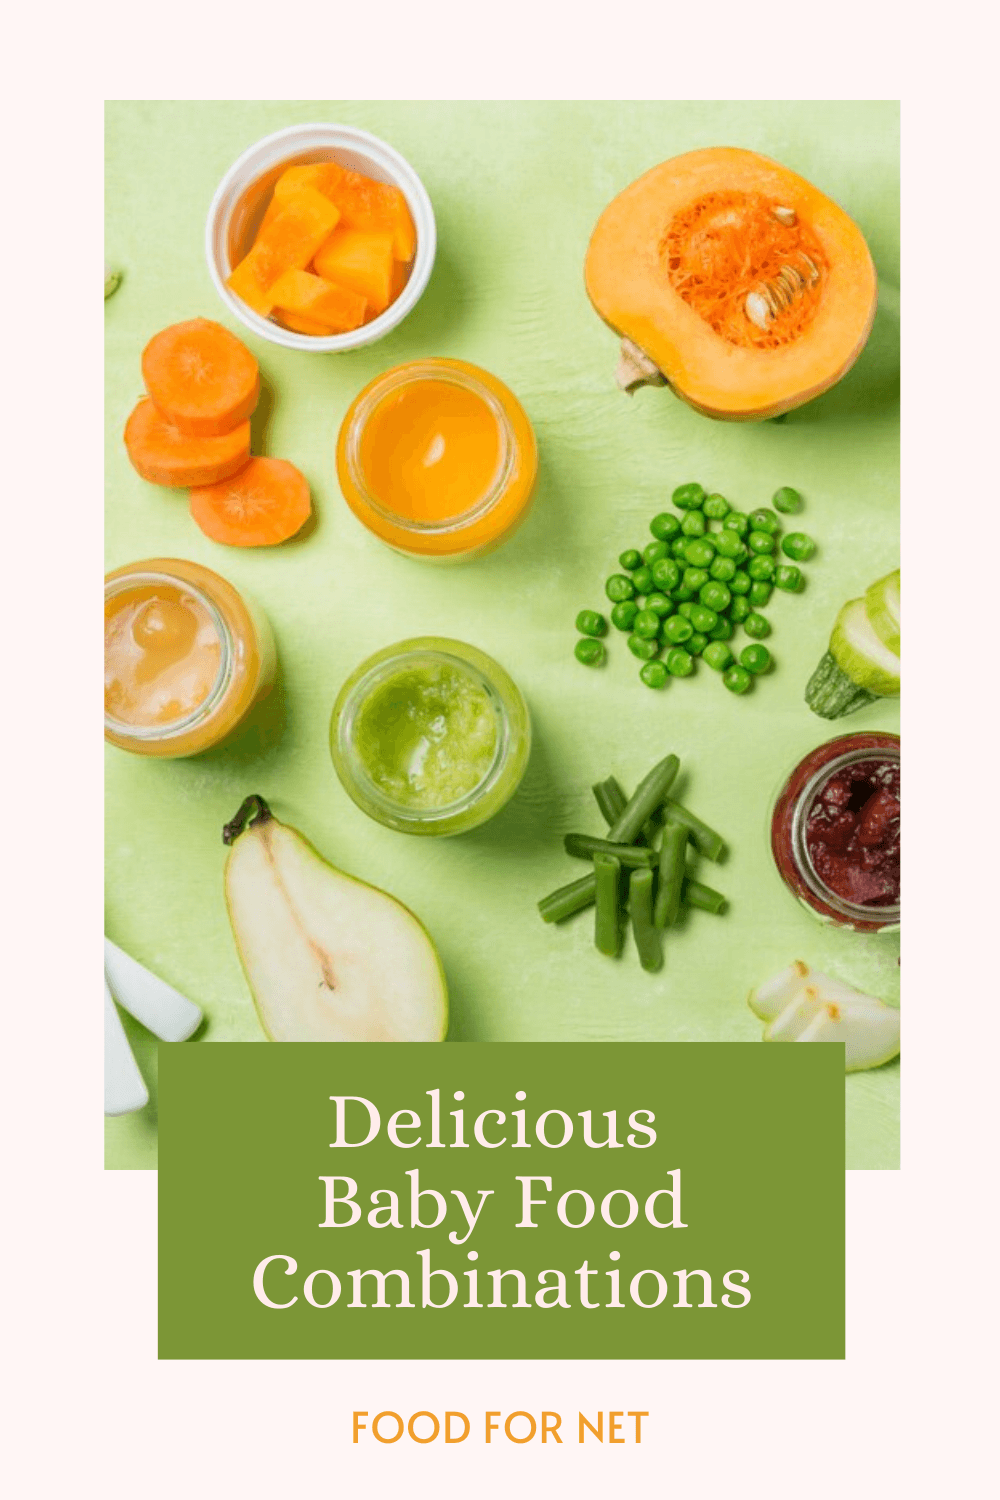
430	736
835	832
185	658
438	459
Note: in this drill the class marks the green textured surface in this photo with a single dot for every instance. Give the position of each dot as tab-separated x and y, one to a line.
516	189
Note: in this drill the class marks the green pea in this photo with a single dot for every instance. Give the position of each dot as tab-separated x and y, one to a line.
764	520
664	526
737	679
696	644
589	651
688	496
756	659
761	566
695	578
740	582
728	544
798	546
738	521
589	622
654	674
788	578
740	608
704	619
642	580
618	587
760	593
723	631
677	628
756	625
699	552
761	541
718	655
647	623
666	573
642	647
659	604
787	500
686	609
630	560
694	524
723	568
677	547
715	595
624	613
680	663
653	551
680	593
716	507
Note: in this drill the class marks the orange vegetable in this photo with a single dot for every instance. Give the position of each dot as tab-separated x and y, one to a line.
264	504
201	378
286	241
322	176
164	455
361	260
303	325
310	296
370	205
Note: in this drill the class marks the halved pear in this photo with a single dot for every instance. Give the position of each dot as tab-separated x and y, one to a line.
327	958
804	1005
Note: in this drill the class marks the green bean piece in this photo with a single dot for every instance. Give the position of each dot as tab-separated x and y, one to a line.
607	915
672	855
787	500
568	899
703	898
589	622
589	651
647	936
647	797
610	799
632	856
704	839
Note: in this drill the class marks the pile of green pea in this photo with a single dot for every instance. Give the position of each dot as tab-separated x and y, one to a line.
688	589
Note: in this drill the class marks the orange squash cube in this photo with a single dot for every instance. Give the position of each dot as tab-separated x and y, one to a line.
369	205
286	241
321	176
361	260
304	325
337	307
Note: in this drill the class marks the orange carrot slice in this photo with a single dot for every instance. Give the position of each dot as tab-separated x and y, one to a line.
201	378
361	260
286	240
264	504
163	455
312	297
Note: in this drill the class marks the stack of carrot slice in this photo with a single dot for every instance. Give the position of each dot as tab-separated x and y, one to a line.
193	431
333	250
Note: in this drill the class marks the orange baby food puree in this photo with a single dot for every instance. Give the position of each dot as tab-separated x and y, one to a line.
438	459
161	654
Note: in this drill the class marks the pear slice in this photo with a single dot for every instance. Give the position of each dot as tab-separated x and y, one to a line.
327	958
804	1005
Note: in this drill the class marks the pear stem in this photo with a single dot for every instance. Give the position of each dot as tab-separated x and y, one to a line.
253	812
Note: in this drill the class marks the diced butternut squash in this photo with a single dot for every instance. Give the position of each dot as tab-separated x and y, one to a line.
338	307
303	325
361	260
287	242
369	205
322	176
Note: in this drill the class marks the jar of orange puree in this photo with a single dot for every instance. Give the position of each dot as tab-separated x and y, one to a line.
438	459
185	657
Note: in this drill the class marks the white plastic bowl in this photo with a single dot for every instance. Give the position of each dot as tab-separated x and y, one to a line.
242	195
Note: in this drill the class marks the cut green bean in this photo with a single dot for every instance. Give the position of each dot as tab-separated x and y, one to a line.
703	897
633	856
644	801
568	899
610	799
704	839
672	855
607	914
647	935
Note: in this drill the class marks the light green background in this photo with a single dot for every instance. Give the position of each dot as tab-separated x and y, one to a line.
516	189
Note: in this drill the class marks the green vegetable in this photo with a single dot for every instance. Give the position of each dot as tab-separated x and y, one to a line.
664	526
756	659
761	568
589	622
630	559
737	679
728	544
647	936
718	655
607	915
642	580
644	647
704	839
756	625
715	595
740	582
694	578
673	851
699	552
696	644
764	520
703	897
788	577
882	606
759	595
112	280
589	651
679	662
723	631
688	496
694	524
740	607
677	547
761	541
610	799
659	603
716	507
648	796
702	618
624	613
857	650
654	674
787	500
634	856
619	587
737	521
647	623
859	666
653	552
723	568
687	609
677	628
832	694
798	546
666	573
568	899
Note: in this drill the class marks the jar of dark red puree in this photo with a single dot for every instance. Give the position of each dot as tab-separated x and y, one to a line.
835	832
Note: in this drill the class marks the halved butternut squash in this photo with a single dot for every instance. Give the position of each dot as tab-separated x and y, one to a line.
732	280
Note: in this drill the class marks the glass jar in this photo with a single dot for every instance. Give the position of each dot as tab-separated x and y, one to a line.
430	736
438	459
835	832
185	657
